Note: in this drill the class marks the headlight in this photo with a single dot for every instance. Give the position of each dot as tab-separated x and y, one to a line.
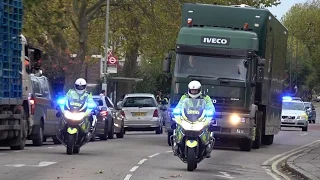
192	127
74	116
302	117
235	119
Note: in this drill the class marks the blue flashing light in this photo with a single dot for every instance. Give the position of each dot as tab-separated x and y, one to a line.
61	101
286	98
210	113
92	105
176	111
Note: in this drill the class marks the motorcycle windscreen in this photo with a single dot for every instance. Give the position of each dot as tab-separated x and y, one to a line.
77	105
193	108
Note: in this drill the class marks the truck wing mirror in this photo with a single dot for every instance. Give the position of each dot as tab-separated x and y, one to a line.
167	63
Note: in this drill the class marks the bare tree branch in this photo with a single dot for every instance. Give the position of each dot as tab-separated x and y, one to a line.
95	7
76	7
75	25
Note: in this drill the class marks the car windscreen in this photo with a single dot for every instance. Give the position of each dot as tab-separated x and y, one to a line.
98	101
307	105
293	106
139	102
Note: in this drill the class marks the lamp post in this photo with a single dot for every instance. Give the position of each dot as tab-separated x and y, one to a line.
106	48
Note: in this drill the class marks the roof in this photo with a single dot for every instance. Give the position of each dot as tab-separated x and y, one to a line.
139	95
296	101
124	79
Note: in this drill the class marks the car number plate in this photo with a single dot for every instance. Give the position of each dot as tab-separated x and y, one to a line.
139	114
288	120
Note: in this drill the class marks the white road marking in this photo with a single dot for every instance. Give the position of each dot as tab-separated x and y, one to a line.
43	164
282	157
50	147
2	154
142	161
15	165
156	154
16	151
128	176
168	151
225	175
134	168
303	134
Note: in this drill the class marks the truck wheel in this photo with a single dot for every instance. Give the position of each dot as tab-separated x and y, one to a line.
23	135
245	144
257	142
38	141
267	139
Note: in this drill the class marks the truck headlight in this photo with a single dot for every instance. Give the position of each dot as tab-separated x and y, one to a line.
235	119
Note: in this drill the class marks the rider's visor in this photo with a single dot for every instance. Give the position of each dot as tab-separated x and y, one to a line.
81	87
194	91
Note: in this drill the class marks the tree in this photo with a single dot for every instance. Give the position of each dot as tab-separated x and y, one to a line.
303	23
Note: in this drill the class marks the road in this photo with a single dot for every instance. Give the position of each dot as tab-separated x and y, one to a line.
143	156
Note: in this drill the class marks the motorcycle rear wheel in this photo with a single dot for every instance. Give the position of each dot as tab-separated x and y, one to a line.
70	144
191	159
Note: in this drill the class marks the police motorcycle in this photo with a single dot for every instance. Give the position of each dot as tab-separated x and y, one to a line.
192	138
74	128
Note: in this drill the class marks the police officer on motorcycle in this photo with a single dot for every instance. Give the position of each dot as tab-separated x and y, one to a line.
195	92
79	92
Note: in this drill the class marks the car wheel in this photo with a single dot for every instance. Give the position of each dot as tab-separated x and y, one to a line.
121	134
111	133
305	128
38	141
159	130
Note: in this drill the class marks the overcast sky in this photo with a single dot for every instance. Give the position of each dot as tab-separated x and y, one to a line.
285	6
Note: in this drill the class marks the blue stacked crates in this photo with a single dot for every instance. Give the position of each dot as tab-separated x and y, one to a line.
11	12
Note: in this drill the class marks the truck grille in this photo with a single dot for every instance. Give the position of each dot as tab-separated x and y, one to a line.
288	117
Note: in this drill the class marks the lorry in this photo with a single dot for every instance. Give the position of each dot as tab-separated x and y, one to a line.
15	83
238	54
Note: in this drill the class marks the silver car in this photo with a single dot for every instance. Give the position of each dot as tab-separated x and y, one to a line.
141	113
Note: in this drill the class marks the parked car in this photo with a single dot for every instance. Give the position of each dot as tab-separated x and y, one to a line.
317	99
110	120
311	111
142	113
294	115
43	111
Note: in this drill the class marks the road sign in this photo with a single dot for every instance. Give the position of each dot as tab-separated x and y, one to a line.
112	60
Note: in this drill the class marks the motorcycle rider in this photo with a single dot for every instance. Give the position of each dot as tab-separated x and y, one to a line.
195	92
79	92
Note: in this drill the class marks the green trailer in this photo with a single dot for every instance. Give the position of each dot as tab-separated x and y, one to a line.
238	54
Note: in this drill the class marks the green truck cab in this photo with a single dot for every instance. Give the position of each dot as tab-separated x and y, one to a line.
238	54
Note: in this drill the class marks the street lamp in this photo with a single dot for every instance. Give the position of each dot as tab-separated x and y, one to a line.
106	47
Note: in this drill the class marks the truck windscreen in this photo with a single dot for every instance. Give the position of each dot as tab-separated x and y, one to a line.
211	66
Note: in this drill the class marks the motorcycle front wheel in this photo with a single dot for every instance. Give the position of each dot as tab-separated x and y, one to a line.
70	144
191	159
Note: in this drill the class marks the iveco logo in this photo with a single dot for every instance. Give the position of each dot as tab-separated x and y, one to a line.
215	40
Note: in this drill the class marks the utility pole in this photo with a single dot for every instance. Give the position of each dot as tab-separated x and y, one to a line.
290	63
106	48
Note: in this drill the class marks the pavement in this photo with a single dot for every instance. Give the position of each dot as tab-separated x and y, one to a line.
306	164
146	156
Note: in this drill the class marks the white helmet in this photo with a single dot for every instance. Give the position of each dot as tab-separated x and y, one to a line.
80	85
194	89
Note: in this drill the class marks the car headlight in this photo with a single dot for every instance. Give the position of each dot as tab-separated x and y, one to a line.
235	119
192	127
74	116
302	117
